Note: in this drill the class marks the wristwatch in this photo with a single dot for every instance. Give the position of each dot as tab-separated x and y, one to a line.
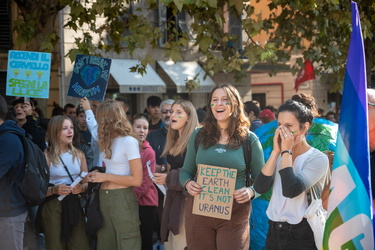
286	151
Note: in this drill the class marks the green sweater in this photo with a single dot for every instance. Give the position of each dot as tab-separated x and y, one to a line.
220	156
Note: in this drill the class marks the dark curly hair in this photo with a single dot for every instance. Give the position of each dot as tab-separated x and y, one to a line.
303	106
239	124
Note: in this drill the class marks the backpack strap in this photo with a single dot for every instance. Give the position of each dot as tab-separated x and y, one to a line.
197	140
246	146
66	169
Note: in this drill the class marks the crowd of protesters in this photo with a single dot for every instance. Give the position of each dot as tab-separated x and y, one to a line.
144	170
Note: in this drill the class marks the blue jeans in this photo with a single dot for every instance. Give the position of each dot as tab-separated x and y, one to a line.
12	229
32	240
282	235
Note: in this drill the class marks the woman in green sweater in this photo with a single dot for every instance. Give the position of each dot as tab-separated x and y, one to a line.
220	144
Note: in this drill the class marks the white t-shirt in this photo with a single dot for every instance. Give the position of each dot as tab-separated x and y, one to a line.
311	167
124	149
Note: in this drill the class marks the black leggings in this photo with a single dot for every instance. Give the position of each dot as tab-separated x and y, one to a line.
147	216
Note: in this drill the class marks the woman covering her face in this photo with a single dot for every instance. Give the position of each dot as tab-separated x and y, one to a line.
63	222
225	129
293	168
118	204
184	120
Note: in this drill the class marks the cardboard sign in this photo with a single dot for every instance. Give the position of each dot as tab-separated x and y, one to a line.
218	186
90	77
28	74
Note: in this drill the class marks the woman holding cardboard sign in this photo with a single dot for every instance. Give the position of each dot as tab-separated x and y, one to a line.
219	143
184	120
293	168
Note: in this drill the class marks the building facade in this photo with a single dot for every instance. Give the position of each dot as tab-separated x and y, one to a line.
163	77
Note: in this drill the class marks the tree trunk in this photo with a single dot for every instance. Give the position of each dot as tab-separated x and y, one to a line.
47	11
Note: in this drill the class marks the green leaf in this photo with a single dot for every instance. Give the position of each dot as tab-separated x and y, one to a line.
167	45
219	19
179	4
134	68
270	46
175	56
46	46
211	63
184	42
239	6
73	53
205	43
212	3
142	70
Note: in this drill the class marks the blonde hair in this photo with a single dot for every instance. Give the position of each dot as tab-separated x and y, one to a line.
111	118
173	135
53	136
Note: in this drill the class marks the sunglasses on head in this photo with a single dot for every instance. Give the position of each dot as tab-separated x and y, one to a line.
165	111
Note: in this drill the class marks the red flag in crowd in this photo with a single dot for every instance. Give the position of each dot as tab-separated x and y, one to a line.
306	73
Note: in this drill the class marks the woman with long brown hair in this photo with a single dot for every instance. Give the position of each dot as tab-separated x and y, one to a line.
118	204
220	144
184	120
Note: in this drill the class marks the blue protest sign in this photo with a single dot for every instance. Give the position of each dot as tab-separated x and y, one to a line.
90	77
28	74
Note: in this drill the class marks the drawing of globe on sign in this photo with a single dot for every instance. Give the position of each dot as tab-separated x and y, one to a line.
90	77
90	74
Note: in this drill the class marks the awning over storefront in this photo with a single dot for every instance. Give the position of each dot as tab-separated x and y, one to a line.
133	83
181	72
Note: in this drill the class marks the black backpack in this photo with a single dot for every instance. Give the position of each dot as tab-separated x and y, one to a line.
246	146
34	182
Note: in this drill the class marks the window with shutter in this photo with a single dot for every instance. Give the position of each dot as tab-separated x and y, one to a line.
167	21
235	29
3	79
5	26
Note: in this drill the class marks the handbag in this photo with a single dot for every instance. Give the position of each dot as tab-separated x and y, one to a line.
316	217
